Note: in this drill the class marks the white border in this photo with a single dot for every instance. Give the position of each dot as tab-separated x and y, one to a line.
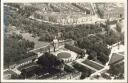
66	1
26	1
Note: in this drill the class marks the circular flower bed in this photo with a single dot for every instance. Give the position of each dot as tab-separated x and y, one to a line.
64	55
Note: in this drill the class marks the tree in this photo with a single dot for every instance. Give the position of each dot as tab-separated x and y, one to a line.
118	27
48	60
95	47
93	55
15	49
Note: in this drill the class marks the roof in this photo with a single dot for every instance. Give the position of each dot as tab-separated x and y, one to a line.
27	65
9	72
122	53
31	69
115	58
93	64
27	59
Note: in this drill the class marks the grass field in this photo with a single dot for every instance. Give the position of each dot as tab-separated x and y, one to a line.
38	44
64	55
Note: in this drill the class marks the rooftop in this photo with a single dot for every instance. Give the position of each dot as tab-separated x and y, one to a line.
31	69
27	59
27	65
115	58
122	53
93	64
9	72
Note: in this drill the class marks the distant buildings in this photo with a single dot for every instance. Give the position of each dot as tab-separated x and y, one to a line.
66	14
114	13
77	20
65	19
111	10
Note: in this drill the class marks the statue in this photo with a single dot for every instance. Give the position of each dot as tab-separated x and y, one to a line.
55	43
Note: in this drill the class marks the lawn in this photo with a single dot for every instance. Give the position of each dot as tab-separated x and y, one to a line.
64	55
38	44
